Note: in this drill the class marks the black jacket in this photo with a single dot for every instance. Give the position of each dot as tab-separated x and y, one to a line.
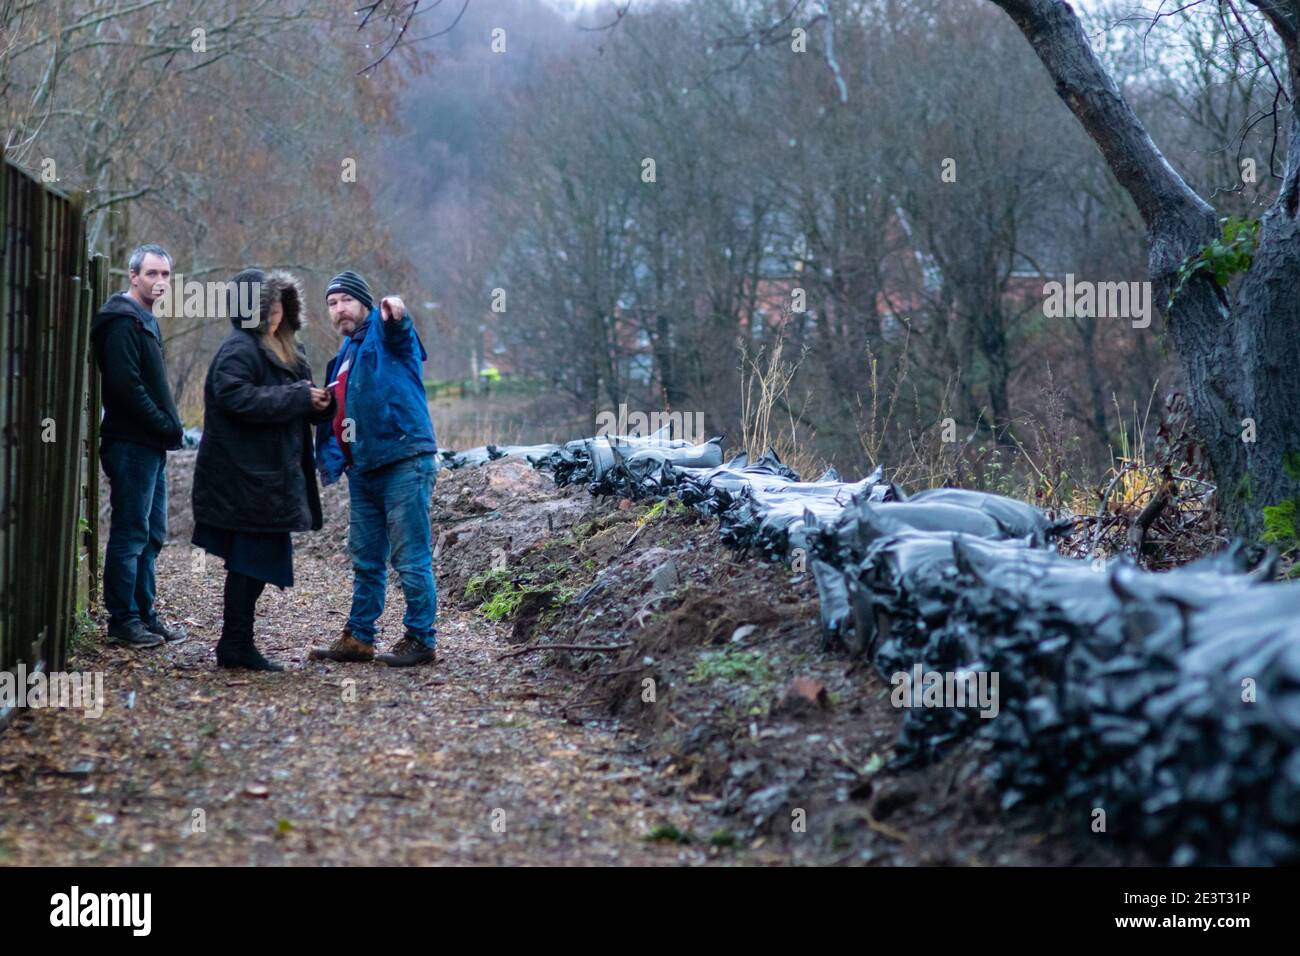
138	404
255	469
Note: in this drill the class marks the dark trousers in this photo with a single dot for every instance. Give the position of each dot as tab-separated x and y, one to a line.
241	597
137	478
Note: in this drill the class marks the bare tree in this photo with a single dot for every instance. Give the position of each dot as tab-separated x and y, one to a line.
217	127
1240	347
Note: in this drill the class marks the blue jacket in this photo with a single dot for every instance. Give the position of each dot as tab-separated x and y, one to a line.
385	399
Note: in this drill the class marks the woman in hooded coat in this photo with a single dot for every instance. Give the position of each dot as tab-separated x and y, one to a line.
255	478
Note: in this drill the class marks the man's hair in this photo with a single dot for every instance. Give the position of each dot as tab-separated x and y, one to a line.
139	252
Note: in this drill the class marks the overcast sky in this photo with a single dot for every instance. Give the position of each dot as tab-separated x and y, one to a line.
568	6
1085	7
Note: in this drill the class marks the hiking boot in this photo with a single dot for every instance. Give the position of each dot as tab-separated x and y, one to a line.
347	649
171	633
132	633
408	652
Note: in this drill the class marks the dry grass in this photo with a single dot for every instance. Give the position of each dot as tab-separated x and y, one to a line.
767	416
510	419
1185	530
1039	461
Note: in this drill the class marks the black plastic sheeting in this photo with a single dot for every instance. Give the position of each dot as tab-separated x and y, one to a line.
1170	701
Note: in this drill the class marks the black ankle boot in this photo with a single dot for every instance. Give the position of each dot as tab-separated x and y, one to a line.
236	647
239	651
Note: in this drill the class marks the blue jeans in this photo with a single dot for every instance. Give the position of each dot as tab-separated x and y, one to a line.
137	478
390	509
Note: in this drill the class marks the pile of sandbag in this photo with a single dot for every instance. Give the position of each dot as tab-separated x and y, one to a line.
1168	702
481	455
630	466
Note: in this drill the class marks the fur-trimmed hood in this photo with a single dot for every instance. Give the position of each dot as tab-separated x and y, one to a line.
271	287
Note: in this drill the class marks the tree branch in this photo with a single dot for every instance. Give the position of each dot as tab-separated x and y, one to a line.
1283	15
1168	205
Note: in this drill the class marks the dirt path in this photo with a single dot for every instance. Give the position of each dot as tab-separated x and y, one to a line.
325	763
546	757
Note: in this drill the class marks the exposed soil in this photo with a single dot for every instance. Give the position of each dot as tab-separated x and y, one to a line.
712	728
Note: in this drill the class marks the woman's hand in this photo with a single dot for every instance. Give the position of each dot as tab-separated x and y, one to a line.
320	399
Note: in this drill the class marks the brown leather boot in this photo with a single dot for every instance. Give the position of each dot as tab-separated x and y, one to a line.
347	649
408	652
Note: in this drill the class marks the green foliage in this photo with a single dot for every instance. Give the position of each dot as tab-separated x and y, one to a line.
586	529
994	475
1291	465
508	386
503	603
434	388
1223	258
875	763
483	586
1279	522
1280	529
724	838
730	664
82	634
667	833
501	596
650	514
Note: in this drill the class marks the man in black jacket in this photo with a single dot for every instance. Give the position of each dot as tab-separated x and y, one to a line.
140	425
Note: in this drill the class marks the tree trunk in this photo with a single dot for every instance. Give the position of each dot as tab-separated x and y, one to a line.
1241	359
1267	315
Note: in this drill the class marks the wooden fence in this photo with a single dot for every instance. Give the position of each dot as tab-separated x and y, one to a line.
49	421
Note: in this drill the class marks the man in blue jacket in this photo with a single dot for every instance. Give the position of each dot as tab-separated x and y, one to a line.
382	436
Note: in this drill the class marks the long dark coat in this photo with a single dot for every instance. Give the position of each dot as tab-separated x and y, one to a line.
255	469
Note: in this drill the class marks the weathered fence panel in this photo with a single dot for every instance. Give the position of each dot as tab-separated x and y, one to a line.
49	409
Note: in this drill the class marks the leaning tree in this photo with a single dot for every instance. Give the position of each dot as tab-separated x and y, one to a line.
1239	343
